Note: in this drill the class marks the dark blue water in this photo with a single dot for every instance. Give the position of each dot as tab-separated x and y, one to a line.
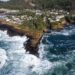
59	47
56	54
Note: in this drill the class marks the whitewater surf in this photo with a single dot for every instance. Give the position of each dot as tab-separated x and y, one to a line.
56	54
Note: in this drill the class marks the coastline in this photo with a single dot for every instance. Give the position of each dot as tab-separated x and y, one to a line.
34	35
32	43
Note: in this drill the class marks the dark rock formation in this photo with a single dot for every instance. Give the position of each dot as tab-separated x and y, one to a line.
32	50
28	45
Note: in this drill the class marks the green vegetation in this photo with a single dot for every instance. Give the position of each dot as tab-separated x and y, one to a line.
58	4
13	4
34	24
41	4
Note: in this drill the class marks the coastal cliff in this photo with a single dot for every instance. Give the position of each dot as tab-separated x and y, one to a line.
33	38
34	34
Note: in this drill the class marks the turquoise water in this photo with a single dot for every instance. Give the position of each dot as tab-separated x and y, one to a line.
56	54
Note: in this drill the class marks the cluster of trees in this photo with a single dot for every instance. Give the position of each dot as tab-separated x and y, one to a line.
42	4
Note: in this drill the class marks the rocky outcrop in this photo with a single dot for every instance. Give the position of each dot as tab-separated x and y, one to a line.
32	43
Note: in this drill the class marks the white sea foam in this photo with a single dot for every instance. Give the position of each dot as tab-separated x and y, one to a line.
63	32
22	62
16	61
3	58
66	33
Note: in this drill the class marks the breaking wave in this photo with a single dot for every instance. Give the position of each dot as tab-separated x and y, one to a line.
56	54
14	60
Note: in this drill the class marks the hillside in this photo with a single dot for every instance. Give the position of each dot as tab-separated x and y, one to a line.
17	4
41	4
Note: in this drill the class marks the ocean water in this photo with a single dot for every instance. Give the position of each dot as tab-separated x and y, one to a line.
56	54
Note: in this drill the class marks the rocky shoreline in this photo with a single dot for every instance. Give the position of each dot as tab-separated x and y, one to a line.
29	45
34	36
